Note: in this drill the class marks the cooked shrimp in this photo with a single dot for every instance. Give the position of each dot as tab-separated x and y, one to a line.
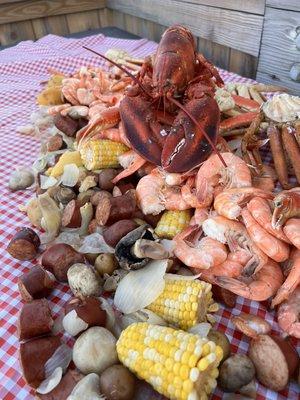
230	202
188	192
288	314
200	215
292	280
113	134
148	193
212	173
251	325
195	253
242	248
292	231
131	161
57	109
241	256
261	212
75	112
173	199
155	196
260	286
270	245
227	268
286	205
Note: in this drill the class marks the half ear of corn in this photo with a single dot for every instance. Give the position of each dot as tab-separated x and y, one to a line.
184	303
172	222
98	154
179	365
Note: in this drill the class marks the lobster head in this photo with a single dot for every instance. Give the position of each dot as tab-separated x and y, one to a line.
174	62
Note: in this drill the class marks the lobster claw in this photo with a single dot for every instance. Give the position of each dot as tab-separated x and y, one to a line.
141	128
186	147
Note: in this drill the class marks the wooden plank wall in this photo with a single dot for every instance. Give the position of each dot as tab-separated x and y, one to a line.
228	31
279	51
32	19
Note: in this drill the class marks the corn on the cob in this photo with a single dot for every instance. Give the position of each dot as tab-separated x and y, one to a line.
184	303
172	222
98	154
179	365
69	157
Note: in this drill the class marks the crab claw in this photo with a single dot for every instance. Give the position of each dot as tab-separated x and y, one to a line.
186	146
142	128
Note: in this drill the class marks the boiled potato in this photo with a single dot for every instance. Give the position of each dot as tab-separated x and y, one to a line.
117	383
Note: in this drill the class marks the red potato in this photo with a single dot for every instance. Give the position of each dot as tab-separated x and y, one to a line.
34	319
105	179
35	284
33	357
275	361
59	258
113	234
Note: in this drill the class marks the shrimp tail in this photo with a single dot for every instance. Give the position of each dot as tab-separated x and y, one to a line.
233	285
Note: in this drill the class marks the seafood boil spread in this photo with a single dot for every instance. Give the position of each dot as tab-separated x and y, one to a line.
161	195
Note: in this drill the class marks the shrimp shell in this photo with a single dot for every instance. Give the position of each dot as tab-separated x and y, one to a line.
200	254
292	231
261	286
212	172
261	212
292	280
288	314
270	245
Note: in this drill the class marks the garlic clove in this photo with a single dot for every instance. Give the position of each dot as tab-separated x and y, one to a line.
73	324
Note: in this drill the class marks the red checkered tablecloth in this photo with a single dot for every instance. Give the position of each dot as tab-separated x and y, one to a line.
22	68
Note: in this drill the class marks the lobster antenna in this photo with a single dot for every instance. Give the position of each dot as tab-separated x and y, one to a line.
198	125
134	78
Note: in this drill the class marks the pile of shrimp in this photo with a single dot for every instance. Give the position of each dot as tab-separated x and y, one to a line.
95	95
241	237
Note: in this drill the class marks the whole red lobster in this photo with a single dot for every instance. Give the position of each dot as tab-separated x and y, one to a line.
170	116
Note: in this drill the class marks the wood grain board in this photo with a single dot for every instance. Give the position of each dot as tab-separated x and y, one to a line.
278	49
234	29
28	10
293	5
251	6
